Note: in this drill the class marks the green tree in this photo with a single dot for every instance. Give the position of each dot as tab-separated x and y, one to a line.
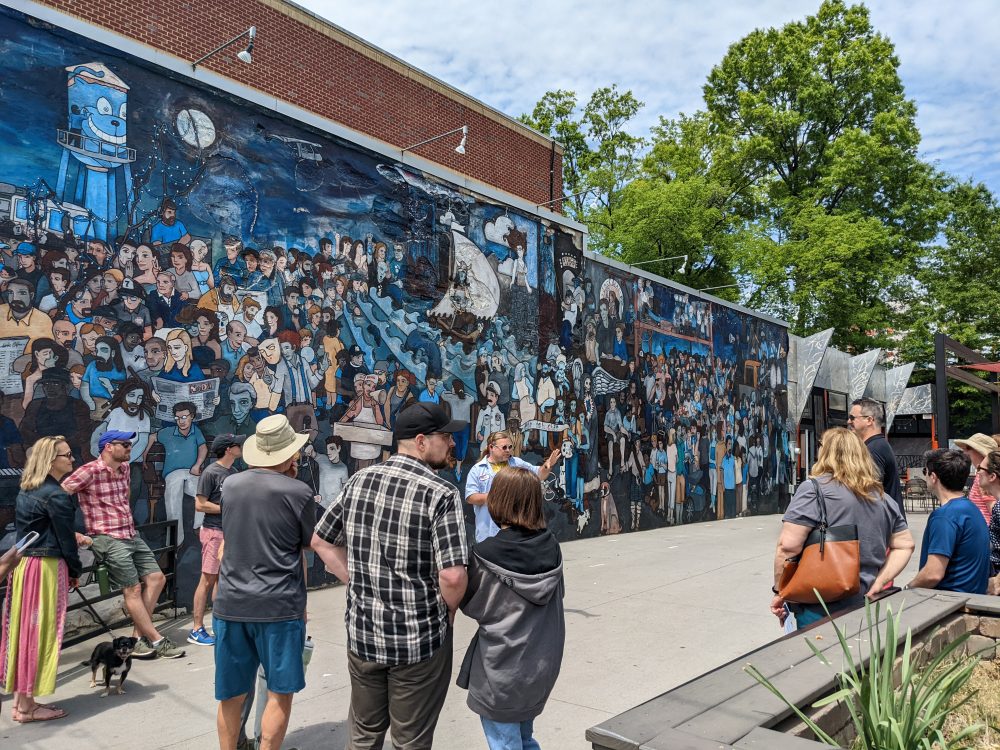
953	289
954	292
833	200
681	205
600	156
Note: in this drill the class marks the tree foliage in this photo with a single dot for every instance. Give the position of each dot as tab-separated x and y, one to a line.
954	289
814	118
600	156
801	181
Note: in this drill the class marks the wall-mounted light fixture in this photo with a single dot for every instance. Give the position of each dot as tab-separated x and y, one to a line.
245	55
565	197
724	286
682	270
459	149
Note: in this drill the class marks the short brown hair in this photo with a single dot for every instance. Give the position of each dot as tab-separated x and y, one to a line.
515	499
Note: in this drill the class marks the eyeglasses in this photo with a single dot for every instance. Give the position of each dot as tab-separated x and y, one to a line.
851	417
65	455
122	443
983	469
504	447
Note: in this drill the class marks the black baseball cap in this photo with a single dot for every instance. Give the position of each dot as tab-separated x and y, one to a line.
425	419
225	441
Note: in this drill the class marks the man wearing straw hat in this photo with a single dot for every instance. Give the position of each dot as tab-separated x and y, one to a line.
396	537
260	605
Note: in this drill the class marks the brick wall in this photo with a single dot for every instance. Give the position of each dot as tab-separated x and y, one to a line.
301	60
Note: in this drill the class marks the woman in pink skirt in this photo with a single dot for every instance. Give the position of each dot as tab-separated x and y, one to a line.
35	608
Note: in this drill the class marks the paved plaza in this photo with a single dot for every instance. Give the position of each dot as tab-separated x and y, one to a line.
645	612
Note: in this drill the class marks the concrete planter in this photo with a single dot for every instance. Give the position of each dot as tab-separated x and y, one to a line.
726	708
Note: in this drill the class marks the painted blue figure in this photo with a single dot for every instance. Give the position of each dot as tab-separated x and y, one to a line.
101	179
571	465
169	229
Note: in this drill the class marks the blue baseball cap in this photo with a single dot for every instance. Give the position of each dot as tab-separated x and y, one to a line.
26	248
112	435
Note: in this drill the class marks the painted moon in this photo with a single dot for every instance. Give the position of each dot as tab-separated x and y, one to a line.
194	127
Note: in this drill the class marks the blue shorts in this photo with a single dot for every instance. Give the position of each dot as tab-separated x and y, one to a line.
241	646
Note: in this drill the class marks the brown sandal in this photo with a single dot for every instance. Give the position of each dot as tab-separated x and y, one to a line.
21	718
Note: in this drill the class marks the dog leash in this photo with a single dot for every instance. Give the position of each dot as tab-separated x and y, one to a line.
90	606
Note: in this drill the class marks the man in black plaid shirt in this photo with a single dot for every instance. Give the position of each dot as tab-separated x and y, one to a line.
396	537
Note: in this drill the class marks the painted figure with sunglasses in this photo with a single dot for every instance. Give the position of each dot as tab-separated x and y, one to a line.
867	419
497	455
102	488
35	606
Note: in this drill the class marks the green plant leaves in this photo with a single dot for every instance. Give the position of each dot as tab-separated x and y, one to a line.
893	704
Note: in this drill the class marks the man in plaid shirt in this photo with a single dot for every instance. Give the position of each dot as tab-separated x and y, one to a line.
102	489
396	537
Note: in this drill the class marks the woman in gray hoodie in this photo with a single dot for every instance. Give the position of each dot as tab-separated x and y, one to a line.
515	593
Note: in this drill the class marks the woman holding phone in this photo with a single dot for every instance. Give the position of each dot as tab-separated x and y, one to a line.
35	608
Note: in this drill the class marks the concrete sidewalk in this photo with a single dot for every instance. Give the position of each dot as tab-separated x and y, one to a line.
645	612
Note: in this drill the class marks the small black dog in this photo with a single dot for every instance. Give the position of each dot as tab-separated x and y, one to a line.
115	657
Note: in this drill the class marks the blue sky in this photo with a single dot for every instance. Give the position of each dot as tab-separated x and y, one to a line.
509	54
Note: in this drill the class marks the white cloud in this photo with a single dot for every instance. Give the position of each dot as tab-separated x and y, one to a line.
664	51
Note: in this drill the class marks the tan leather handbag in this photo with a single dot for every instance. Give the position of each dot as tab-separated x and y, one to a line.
828	566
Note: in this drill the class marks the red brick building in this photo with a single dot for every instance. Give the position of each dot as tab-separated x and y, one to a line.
304	60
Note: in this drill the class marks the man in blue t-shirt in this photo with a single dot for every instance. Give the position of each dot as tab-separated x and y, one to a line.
955	554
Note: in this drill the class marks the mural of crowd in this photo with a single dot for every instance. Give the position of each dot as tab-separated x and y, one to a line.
179	263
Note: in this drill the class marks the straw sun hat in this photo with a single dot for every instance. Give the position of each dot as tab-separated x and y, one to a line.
273	443
979	442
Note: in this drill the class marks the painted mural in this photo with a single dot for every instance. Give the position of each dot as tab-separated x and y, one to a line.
180	263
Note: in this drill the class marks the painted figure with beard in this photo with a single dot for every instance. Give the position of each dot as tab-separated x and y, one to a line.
130	410
19	318
64	334
102	376
222	299
155	352
169	229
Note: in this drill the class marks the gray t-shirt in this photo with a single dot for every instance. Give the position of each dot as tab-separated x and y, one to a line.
877	521
210	486
268	519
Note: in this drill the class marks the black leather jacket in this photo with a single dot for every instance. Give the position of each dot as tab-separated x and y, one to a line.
51	512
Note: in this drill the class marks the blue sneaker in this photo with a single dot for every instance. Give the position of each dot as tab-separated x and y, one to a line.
201	637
